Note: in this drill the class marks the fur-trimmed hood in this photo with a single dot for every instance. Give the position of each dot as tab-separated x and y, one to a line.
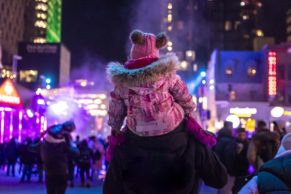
164	66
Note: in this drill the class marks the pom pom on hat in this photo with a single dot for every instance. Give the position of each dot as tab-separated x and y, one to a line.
136	37
161	40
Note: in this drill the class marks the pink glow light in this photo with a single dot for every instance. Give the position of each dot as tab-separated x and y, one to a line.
11	125
20	126
2	126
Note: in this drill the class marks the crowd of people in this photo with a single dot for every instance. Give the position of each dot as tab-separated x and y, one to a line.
243	155
161	148
24	159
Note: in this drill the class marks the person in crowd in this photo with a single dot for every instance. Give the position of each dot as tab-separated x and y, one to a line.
38	161
77	141
2	156
54	151
263	145
274	175
241	161
98	152
27	158
84	163
155	153
277	129
226	149
72	158
11	156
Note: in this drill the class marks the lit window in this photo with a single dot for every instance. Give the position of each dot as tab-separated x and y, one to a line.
252	71
170	5
227	25
170	28
259	33
228	71
242	3
259	4
184	65
41	6
245	17
190	55
170	17
232	95
28	75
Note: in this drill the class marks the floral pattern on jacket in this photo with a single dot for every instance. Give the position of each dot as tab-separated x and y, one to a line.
154	99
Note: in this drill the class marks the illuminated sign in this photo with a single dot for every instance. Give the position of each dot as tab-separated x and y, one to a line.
272	80
8	93
277	112
243	112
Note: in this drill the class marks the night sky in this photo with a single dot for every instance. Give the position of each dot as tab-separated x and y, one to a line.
96	30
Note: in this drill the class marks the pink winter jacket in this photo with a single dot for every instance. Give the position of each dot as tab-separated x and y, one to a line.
153	99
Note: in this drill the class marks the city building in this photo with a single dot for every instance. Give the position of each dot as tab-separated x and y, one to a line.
246	86
43	65
15	118
11	28
288	23
279	73
47	16
235	85
188	31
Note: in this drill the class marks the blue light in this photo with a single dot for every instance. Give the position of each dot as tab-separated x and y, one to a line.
203	74
48	80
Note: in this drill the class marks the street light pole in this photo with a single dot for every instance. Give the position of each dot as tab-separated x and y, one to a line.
15	64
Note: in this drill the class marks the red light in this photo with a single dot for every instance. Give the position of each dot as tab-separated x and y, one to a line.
272	68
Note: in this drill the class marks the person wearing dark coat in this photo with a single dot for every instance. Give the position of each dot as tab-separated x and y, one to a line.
170	164
241	162
274	176
27	158
11	156
84	163
226	148
54	152
263	146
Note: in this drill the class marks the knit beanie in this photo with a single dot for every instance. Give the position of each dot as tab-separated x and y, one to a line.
146	45
285	145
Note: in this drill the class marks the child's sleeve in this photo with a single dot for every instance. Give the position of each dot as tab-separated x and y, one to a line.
117	110
180	92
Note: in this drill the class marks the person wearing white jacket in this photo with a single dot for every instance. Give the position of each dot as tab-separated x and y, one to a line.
273	176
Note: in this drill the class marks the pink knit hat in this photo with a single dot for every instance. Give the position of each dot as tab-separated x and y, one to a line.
146	45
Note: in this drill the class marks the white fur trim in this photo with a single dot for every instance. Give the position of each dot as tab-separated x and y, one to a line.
164	66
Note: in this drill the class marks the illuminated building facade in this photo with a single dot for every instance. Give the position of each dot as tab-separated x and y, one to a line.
48	21
279	73
247	86
16	119
187	28
43	65
11	28
235	89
